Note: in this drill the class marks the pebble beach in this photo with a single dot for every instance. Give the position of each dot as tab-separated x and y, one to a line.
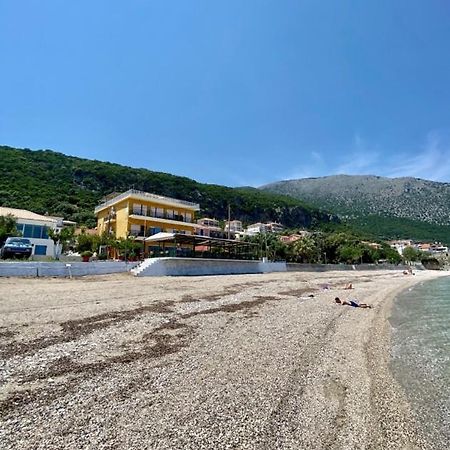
264	361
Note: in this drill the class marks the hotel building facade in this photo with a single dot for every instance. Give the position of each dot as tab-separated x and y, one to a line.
141	214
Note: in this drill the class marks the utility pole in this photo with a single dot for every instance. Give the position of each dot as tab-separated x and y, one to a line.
265	239
229	219
145	231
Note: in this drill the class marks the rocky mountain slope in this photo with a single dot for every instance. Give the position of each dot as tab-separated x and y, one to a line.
354	196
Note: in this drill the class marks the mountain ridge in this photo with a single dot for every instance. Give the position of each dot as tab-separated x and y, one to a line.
45	181
353	195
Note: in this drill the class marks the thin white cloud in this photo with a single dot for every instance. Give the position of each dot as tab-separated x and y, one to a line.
431	163
362	159
317	157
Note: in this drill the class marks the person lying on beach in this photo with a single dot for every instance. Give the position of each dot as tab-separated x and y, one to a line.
352	303
348	286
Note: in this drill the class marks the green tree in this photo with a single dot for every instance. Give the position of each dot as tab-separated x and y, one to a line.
7	228
87	242
390	254
305	249
62	239
269	245
350	253
412	254
127	247
336	245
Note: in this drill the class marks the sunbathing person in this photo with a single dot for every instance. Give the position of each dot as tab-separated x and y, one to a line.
352	303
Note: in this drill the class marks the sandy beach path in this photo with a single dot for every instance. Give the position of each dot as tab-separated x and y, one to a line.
242	362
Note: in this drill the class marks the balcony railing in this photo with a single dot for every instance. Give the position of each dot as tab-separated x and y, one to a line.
146	195
135	233
178	218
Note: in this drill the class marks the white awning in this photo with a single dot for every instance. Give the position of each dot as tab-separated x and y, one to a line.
158	237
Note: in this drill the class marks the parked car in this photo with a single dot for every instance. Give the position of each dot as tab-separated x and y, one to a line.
16	247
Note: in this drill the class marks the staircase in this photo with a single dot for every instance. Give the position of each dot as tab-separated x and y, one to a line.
140	269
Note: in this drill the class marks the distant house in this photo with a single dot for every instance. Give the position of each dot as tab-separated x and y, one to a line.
209	228
373	245
88	231
270	227
290	239
35	227
427	247
434	248
400	245
274	227
439	248
255	228
235	226
424	247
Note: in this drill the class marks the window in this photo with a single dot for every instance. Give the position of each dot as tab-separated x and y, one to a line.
140	210
28	231
35	231
40	250
134	230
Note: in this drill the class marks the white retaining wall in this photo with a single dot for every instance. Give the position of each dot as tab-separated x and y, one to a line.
294	267
60	269
197	266
172	266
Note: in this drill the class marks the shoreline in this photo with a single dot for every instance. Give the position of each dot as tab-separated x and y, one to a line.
397	426
247	361
421	412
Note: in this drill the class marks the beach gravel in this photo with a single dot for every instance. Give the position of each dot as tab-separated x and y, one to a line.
222	362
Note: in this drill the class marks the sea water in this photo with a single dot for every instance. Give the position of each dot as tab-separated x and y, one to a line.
421	355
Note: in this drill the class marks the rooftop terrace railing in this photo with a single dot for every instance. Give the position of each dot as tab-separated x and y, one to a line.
147	195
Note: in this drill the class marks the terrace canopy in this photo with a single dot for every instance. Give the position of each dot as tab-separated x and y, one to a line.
193	245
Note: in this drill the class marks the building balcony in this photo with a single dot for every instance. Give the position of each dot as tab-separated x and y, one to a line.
163	220
148	197
178	218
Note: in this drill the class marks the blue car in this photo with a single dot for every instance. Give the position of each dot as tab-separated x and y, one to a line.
16	247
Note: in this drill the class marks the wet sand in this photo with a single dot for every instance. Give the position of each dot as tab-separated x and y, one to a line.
244	361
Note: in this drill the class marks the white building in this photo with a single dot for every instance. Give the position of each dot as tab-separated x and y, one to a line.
209	228
274	227
255	228
235	226
400	245
35	228
271	227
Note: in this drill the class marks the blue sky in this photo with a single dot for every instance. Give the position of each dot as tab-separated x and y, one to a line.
232	92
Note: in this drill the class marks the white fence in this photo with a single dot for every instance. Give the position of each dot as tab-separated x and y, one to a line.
62	269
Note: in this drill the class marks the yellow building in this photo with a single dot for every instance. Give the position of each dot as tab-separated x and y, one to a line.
141	214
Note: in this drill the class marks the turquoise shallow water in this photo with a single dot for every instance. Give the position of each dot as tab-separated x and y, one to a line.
421	355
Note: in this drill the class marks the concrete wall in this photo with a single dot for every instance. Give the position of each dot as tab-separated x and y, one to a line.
59	269
174	267
196	266
293	267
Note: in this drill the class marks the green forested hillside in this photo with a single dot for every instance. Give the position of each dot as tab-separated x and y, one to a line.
386	228
53	183
385	207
